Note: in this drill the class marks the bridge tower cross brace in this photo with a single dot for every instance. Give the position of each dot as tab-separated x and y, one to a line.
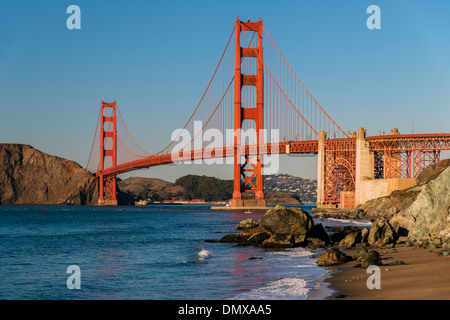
255	113
108	148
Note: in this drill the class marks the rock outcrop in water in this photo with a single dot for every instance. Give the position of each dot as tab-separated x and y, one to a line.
280	227
28	176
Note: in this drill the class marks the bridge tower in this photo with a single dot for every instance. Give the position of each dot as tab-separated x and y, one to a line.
108	148
251	168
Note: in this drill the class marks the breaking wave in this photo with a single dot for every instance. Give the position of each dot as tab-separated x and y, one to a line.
203	255
282	289
199	256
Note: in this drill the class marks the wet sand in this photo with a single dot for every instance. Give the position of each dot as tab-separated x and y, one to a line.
425	276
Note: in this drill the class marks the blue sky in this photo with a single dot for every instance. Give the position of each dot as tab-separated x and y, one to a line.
155	59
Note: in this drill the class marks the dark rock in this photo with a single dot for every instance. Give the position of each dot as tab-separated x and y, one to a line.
444	253
381	233
257	238
360	253
338	233
336	229
234	237
437	242
371	258
247	224
402	232
356	214
314	243
351	239
364	235
279	241
402	240
318	232
396	263
331	257
287	222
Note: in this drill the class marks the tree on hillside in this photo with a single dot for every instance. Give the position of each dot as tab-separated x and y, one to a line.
206	188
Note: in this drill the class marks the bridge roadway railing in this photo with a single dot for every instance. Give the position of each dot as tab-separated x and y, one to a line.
309	146
432	141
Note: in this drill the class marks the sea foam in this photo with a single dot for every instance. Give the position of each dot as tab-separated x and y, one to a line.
203	255
282	289
350	222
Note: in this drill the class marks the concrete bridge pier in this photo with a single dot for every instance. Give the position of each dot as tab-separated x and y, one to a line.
338	161
364	169
321	169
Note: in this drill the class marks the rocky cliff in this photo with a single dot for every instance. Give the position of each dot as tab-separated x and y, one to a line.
429	214
422	211
28	176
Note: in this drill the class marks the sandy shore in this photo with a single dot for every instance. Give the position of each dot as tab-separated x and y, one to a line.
425	276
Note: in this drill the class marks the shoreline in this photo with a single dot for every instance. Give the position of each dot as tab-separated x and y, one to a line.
424	276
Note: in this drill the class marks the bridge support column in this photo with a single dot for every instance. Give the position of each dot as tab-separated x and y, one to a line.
252	168
107	194
364	164
108	151
321	169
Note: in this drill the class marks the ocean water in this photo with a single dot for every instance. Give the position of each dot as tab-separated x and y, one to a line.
152	252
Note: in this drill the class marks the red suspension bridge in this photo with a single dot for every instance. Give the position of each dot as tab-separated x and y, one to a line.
255	93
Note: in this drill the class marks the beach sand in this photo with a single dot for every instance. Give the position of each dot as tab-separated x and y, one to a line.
425	276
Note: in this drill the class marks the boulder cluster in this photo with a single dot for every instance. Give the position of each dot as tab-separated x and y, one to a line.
381	235
418	216
420	212
284	227
280	227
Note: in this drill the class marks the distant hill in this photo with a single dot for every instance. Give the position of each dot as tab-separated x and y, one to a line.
138	188
139	185
304	189
206	188
279	189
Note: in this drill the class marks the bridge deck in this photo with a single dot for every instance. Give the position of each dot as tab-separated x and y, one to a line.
400	142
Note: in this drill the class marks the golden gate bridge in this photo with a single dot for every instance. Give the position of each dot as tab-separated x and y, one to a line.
254	90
